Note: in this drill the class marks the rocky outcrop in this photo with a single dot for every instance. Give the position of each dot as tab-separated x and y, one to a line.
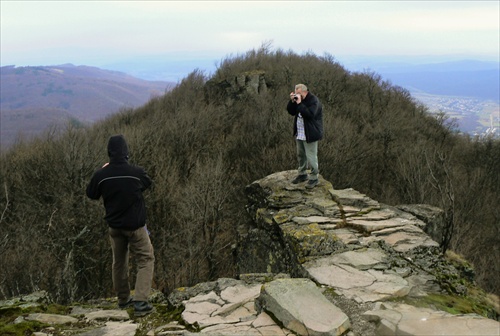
335	236
233	88
364	251
432	216
314	262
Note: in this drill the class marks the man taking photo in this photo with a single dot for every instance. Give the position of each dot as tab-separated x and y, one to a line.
308	130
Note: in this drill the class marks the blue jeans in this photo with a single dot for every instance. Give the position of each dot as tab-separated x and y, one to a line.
308	153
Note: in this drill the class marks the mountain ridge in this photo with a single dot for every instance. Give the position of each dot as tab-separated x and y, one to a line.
35	97
463	77
57	103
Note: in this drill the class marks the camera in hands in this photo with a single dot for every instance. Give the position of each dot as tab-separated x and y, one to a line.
295	97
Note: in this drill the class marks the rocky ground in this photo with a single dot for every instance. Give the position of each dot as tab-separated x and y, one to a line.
315	262
359	324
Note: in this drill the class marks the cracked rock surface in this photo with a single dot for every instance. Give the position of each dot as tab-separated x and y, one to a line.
314	262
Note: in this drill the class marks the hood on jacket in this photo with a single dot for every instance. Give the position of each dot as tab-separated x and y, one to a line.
117	149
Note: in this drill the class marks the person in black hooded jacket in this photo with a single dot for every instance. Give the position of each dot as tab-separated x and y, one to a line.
121	185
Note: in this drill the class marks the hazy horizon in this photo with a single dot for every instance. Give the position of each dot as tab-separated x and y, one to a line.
163	68
202	33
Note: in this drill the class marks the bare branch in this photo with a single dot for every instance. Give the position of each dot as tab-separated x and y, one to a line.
6	202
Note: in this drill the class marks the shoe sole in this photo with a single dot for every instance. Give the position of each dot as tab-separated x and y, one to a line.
143	313
297	182
308	186
126	305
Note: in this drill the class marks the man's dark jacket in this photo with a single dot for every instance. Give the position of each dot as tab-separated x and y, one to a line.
120	185
312	112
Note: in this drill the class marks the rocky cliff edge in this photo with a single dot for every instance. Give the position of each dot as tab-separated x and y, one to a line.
311	262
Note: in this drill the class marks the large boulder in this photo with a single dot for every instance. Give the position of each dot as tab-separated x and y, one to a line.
300	306
432	216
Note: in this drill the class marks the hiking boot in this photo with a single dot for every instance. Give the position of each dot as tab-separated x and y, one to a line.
299	178
312	183
142	308
125	305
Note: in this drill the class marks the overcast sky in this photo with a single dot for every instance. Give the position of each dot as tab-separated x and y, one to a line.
100	32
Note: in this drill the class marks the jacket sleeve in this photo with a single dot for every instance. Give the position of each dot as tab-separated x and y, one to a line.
93	191
291	108
145	179
310	110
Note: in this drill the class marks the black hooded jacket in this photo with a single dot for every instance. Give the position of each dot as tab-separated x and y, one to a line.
120	185
312	112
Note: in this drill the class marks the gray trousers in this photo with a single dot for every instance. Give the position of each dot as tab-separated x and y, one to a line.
139	245
308	153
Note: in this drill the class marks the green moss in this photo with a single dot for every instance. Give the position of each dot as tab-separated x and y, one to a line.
365	211
281	218
55	309
453	304
162	315
461	264
9	314
305	231
307	240
20	329
17	310
270	263
456	258
263	216
330	292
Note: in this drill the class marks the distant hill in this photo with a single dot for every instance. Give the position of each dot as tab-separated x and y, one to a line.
466	90
482	84
437	76
465	78
35	97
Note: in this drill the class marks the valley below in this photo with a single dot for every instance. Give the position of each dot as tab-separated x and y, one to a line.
475	116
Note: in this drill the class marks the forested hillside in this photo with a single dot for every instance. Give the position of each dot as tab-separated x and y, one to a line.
208	138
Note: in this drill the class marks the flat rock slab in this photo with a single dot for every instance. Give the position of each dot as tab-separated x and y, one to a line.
362	259
301	307
114	315
316	219
51	318
370	225
234	304
402	319
402	239
351	197
381	214
341	272
114	329
262	325
347	236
